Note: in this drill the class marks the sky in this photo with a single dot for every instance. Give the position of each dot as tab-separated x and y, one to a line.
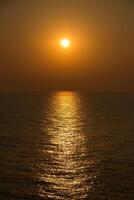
100	57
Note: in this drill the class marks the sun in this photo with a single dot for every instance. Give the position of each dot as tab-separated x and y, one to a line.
65	43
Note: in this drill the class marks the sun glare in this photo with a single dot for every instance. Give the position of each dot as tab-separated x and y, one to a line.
65	43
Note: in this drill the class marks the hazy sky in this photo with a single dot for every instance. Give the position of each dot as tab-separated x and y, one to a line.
101	56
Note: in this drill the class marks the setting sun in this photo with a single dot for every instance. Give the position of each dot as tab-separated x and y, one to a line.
65	43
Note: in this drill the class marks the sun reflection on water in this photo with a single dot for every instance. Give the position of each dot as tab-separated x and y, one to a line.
64	171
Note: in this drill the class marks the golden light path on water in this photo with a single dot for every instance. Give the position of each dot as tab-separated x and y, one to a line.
65	169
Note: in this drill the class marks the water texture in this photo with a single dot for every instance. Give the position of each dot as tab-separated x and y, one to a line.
67	146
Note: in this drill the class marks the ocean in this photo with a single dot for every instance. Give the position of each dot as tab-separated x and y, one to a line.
67	146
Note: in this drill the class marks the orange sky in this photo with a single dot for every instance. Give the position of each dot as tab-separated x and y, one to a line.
100	58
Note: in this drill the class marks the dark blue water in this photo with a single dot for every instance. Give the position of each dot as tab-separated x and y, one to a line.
67	146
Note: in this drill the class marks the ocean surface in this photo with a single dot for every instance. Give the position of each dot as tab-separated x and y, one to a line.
67	146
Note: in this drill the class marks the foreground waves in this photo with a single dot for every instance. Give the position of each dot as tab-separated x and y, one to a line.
67	146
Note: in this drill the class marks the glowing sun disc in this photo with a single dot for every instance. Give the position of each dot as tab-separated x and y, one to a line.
65	43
